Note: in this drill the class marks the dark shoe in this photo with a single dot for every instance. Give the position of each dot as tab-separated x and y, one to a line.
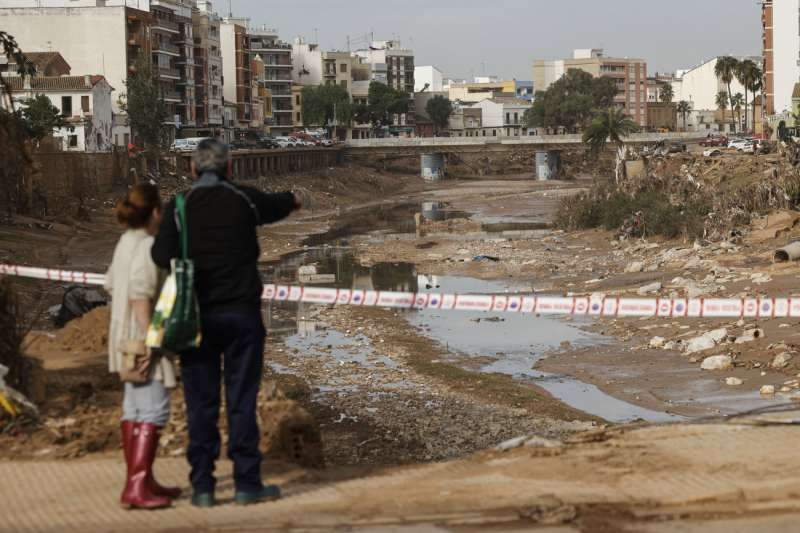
156	488
204	499
267	494
137	493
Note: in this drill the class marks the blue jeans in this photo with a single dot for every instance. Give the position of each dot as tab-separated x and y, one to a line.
148	403
238	337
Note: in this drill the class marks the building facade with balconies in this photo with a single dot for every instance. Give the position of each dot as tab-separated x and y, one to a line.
237	84
207	67
275	82
393	65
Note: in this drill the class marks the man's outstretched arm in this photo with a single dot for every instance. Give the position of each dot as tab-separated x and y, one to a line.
272	207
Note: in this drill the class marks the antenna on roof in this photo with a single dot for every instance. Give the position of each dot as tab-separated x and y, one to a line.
230	8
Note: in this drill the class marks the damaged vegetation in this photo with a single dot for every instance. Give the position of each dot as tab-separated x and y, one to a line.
687	196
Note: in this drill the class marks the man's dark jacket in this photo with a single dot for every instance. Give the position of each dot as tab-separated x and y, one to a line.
222	220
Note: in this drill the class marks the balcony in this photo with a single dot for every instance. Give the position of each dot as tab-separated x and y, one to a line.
166	48
168	73
166	25
171	96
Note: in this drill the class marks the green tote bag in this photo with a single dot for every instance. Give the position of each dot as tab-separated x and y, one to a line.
175	326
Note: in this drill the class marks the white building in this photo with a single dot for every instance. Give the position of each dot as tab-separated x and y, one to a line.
84	101
306	63
428	78
786	51
700	85
503	116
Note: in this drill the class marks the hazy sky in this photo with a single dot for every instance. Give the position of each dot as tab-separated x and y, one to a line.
458	36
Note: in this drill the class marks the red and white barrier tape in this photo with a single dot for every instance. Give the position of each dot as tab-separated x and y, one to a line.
763	308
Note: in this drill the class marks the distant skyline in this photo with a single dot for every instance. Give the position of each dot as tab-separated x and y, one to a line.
466	38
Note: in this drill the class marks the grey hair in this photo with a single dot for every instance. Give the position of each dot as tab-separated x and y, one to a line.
211	156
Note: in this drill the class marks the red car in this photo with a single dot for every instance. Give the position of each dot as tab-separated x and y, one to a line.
715	141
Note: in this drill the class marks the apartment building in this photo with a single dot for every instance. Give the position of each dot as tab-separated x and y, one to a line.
503	116
629	74
237	86
481	89
393	65
780	22
91	36
428	78
275	83
207	66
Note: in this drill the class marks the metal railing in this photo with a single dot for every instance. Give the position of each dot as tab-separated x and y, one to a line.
523	139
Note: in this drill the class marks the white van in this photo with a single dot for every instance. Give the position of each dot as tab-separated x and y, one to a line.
187	145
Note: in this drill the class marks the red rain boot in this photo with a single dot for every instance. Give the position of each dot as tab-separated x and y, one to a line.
137	493
156	488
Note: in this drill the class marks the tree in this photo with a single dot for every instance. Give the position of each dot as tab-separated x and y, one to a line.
326	106
725	69
145	107
41	117
15	148
736	105
384	102
722	104
361	113
25	68
746	74
684	108
439	110
667	93
571	101
756	86
613	125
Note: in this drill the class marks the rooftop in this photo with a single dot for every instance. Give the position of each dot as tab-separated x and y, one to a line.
55	83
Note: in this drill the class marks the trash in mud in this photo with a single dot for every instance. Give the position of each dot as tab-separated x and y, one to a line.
485	258
77	302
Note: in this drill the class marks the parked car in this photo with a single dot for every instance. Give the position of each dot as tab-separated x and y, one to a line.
712	152
326	142
186	145
266	142
241	144
665	147
750	146
714	140
737	143
285	142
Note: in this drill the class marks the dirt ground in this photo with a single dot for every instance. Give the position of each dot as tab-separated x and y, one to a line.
368	392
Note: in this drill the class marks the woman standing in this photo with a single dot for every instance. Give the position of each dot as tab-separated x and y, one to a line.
134	281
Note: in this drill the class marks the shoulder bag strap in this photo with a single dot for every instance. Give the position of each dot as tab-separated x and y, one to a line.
183	229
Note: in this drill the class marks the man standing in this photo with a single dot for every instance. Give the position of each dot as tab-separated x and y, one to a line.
222	219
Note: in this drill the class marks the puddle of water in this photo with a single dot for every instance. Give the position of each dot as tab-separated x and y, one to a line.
516	342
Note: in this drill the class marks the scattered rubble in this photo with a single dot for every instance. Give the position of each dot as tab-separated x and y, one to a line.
717	362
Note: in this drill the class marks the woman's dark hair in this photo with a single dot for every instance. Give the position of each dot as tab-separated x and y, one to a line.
135	210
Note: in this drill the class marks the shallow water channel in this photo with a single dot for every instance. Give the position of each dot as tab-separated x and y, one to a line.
482	342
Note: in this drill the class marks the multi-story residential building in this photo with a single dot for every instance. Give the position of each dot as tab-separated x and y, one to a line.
428	78
91	36
630	76
781	50
484	89
237	84
275	83
83	101
700	86
393	65
503	116
466	121
655	84
360	94
207	67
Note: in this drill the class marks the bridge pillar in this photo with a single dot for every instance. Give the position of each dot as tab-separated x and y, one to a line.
432	166
547	164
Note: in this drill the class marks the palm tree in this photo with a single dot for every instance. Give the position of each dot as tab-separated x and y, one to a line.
725	69
737	102
612	125
667	93
745	73
722	104
757	85
684	108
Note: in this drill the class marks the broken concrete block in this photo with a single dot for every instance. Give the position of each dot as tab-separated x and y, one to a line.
717	362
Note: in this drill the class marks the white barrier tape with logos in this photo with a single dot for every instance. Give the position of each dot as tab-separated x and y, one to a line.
543	305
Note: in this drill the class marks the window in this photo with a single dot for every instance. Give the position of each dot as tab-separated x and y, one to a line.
73	141
343	67
85	104
299	119
508	118
297	99
127	139
99	141
66	106
516	118
343	83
